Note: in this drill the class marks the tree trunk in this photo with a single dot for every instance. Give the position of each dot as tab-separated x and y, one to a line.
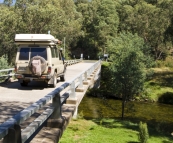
123	105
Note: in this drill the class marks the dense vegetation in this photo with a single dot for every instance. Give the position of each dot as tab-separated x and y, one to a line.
89	27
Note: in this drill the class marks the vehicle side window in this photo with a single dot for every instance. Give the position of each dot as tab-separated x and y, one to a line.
56	52
53	52
39	52
24	54
60	56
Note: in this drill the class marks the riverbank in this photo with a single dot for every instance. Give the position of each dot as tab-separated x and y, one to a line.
158	86
108	131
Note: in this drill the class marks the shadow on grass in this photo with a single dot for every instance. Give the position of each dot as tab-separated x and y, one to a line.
163	79
166	98
167	141
154	129
167	81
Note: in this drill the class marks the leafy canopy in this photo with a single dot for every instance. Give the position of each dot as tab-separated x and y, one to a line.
128	66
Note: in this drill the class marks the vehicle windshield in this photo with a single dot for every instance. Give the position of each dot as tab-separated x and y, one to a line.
27	53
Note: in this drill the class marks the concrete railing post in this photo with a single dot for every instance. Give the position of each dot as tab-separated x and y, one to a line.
88	73
72	98
80	87
56	120
81	82
85	76
56	103
72	88
14	135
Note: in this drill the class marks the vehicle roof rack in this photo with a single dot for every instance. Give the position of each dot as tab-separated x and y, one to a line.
46	38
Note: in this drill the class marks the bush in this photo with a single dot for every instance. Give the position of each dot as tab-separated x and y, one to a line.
143	132
166	98
3	63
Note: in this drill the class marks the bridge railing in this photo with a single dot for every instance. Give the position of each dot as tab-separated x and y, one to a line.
6	74
71	62
11	131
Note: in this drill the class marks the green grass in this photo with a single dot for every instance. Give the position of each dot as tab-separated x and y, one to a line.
107	131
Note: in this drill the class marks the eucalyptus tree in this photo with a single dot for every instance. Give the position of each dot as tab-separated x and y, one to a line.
100	23
8	2
70	22
105	23
35	16
148	20
8	27
129	60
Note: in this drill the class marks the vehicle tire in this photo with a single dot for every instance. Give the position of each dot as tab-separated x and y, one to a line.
54	80
62	77
43	63
24	83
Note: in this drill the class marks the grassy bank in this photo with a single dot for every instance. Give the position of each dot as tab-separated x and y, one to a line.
108	131
159	86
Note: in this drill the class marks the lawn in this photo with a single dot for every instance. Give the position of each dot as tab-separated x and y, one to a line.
108	131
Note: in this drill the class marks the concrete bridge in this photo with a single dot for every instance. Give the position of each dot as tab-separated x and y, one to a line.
39	114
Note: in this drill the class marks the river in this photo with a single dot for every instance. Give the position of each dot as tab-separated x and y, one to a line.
152	113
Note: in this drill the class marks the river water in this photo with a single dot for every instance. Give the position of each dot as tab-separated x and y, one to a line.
152	113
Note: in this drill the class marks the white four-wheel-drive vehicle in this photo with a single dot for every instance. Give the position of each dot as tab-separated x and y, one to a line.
38	58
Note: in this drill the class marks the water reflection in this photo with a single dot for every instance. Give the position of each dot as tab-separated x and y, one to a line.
153	113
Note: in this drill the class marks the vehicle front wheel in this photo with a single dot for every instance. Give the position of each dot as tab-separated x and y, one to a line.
62	78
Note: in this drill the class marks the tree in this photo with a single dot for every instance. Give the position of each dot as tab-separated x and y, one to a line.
100	24
143	132
8	27
128	66
3	63
35	16
148	20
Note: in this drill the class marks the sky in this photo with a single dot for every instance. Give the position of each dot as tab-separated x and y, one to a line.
1	1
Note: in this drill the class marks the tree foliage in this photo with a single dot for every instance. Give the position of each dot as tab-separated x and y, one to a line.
149	21
88	26
100	24
4	63
128	66
34	16
143	132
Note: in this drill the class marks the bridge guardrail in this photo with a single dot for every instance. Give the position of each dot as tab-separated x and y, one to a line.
71	62
6	73
12	126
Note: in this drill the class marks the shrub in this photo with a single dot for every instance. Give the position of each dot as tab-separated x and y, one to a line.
143	132
166	98
3	63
